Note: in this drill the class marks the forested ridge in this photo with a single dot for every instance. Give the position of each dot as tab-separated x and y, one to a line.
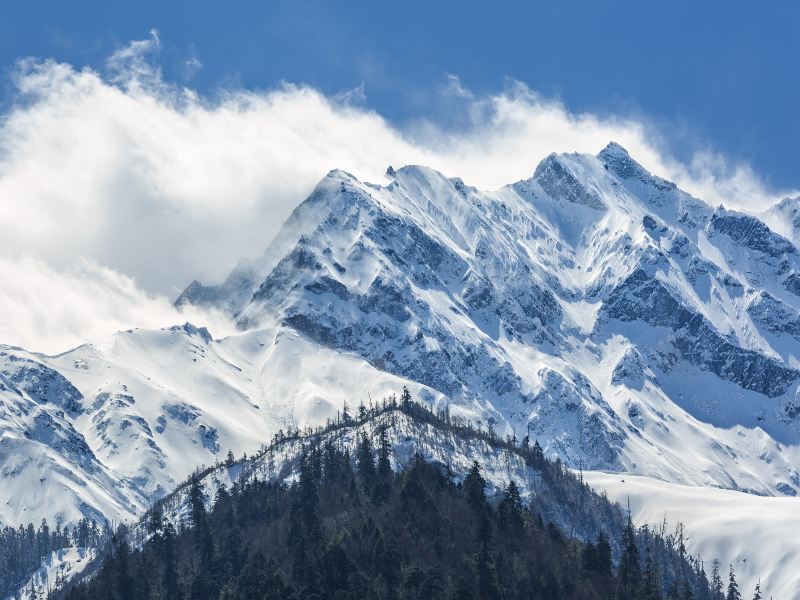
348	526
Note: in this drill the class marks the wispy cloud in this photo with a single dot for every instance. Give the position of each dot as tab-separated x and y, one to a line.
51	310
160	185
132	64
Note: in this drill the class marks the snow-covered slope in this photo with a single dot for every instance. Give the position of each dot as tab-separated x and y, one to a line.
626	325
102	431
755	534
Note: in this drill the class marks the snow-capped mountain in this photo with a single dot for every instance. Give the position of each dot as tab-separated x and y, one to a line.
623	323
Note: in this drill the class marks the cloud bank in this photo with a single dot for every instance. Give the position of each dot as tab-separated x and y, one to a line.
53	310
118	188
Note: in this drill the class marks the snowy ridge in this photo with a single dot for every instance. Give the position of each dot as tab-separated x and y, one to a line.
755	534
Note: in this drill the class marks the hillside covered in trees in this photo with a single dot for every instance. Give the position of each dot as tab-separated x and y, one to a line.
343	523
23	549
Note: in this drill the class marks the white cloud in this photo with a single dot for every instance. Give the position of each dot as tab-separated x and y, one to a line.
152	181
49	310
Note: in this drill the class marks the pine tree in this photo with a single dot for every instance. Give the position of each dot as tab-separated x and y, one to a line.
405	399
336	568
383	488
487	576
538	454
717	592
510	509
603	550
197	502
629	567
169	579
305	530
686	590
384	454
154	521
757	595
733	588
262	579
475	486
199	520
387	563
123	581
366	460
346	418
649	587
589	558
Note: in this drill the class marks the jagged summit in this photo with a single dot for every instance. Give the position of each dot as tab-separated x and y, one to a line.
613	149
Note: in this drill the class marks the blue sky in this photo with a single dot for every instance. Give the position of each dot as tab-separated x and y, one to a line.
722	74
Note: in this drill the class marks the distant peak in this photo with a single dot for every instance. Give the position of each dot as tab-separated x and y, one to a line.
190	329
788	203
412	176
417	171
339	174
617	160
556	176
613	149
549	162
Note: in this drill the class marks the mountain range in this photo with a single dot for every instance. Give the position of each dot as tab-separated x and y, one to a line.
627	326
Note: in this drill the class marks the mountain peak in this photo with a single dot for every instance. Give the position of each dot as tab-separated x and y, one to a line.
613	149
787	204
618	160
557	177
191	329
339	174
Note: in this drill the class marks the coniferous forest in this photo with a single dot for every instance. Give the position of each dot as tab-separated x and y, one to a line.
347	526
23	549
